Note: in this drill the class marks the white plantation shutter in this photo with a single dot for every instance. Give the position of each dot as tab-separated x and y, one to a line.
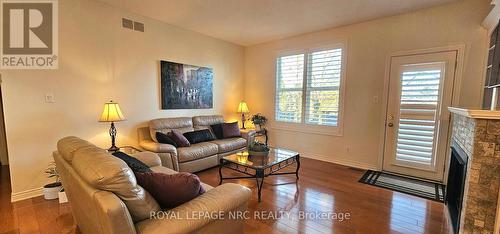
418	115
308	88
323	87
289	88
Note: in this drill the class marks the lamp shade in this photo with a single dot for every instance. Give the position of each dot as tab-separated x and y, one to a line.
243	108
111	113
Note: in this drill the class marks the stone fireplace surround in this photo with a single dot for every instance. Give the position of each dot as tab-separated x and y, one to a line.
477	132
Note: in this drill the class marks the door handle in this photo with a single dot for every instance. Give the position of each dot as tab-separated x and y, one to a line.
390	125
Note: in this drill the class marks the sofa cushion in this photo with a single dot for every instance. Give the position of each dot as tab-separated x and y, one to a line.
105	172
204	122
197	151
179	139
164	139
165	125
135	164
69	145
199	136
171	190
162	169
230	144
231	130
217	130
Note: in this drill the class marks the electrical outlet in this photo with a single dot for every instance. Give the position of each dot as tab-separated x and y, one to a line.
375	99
49	98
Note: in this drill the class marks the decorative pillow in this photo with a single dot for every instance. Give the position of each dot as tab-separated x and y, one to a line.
199	136
217	129
179	139
171	190
135	164
230	130
163	138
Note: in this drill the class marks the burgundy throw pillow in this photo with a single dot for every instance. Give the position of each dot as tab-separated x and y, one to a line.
171	190
230	130
179	139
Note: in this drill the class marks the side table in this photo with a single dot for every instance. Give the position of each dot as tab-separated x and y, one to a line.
261	132
127	149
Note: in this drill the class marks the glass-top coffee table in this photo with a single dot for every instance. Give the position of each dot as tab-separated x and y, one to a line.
258	167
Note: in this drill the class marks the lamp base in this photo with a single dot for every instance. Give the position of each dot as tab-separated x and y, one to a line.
113	149
243	121
112	133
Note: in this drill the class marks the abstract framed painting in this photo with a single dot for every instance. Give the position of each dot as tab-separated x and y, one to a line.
185	86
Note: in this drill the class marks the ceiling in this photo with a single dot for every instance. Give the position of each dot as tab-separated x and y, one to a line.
249	22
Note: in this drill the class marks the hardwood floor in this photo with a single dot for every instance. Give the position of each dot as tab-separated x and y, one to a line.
35	215
323	188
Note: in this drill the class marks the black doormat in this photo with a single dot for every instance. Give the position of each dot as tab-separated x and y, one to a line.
424	189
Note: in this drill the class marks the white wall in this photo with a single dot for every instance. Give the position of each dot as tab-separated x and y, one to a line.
369	44
100	61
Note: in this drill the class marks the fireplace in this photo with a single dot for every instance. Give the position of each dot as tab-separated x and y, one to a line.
475	142
456	184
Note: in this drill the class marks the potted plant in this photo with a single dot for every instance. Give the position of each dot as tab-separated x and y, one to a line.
51	191
259	120
257	148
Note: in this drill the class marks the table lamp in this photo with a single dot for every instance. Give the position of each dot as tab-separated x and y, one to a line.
243	109
112	113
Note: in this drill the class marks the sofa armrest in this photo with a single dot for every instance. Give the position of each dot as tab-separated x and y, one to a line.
158	147
249	135
169	160
110	207
224	198
149	158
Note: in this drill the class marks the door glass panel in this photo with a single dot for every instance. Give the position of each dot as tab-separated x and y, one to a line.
418	113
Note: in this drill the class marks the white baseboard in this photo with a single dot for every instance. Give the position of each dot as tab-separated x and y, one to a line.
336	160
23	195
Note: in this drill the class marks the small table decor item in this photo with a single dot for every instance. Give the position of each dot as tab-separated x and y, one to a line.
259	120
243	109
258	167
112	113
257	148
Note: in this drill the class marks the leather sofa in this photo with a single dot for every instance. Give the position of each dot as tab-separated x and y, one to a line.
197	157
105	197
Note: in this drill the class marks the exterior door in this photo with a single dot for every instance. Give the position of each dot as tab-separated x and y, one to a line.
417	122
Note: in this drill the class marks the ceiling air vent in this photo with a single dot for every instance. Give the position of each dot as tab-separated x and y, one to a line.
126	23
134	25
138	26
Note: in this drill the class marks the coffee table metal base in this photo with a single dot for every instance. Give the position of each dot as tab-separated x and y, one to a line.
259	173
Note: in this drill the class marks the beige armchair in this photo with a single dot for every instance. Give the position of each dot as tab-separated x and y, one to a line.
95	183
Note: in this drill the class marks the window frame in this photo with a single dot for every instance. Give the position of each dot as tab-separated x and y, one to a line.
303	126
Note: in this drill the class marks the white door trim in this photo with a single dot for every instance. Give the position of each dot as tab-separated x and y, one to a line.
460	49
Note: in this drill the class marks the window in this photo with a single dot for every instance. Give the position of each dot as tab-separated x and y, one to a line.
290	73
308	88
